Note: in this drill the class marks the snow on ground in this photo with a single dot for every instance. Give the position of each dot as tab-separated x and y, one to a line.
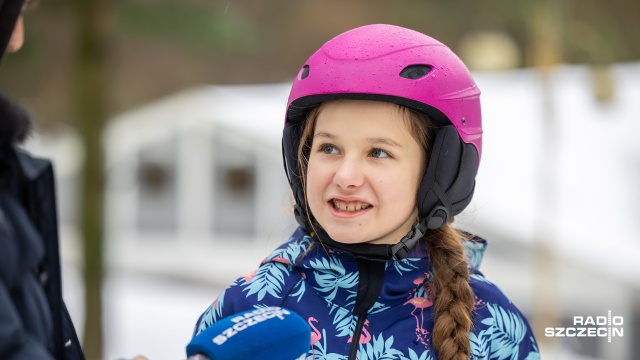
143	314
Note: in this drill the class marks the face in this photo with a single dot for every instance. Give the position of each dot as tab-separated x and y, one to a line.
363	172
17	37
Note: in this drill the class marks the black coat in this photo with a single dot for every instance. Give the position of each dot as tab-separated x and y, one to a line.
34	322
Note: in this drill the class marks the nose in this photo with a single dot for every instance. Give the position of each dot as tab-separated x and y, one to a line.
349	174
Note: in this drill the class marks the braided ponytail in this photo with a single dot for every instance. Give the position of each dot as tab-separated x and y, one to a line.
454	301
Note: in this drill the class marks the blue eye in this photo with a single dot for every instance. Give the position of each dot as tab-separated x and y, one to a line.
379	153
328	149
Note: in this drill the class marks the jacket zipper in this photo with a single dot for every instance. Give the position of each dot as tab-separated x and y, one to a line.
355	339
370	280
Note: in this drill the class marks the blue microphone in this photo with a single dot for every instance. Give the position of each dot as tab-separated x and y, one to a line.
272	333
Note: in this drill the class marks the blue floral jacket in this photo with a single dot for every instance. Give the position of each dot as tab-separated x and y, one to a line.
321	284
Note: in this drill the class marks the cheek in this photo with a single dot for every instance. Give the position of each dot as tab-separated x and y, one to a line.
320	169
399	192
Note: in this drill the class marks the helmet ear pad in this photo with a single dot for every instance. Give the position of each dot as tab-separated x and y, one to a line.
449	179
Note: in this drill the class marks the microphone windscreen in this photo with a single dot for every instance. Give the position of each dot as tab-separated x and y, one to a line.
268	333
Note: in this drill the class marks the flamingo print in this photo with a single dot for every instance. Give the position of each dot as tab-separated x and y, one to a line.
365	337
420	280
421	303
315	333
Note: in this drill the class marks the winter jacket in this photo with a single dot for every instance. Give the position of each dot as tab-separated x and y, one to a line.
327	287
34	322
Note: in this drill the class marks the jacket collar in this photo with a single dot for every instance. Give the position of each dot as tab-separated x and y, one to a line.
300	242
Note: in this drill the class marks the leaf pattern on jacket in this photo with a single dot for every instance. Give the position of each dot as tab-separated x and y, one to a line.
535	354
330	275
426	355
212	314
268	279
405	265
343	321
321	285
479	345
292	251
299	290
378	308
319	350
507	330
379	349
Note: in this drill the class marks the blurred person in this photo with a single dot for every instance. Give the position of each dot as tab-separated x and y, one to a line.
381	144
34	322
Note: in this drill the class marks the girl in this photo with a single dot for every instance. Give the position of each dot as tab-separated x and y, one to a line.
381	144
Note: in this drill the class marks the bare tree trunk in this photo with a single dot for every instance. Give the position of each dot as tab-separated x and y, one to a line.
89	72
546	53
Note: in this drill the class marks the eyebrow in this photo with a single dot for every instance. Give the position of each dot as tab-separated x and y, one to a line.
384	141
322	134
373	141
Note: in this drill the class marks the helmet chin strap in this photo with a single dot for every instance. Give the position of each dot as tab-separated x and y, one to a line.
400	250
380	252
437	218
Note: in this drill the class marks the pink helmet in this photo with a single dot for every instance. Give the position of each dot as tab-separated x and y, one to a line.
405	67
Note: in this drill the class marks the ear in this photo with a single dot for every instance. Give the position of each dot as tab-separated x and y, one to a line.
449	180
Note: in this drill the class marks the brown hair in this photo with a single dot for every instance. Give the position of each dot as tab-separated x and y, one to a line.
454	302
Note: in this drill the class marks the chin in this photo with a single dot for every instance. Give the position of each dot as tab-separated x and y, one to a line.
347	237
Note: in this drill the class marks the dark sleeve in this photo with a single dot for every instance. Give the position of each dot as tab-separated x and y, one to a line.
32	310
15	342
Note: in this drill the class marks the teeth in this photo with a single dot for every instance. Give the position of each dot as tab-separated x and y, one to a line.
349	207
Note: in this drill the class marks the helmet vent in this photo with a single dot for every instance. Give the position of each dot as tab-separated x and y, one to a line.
414	72
305	72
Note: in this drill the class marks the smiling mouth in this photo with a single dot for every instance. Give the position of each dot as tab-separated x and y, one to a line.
349	206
